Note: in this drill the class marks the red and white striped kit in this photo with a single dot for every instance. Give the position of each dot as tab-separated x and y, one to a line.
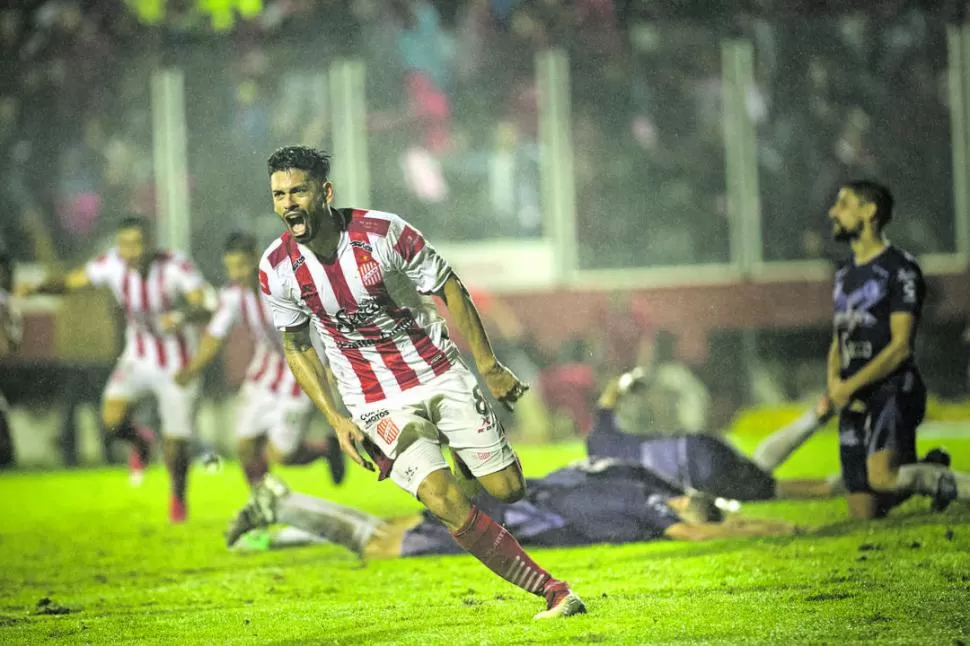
268	368
145	298
381	334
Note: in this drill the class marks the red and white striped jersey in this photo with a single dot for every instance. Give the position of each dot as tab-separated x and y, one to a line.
381	333
145	298
268	367
11	322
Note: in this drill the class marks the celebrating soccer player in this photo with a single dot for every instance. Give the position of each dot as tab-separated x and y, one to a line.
164	297
872	377
362	279
273	407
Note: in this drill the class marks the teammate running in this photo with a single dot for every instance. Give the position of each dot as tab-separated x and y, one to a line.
362	279
594	501
274	413
872	377
164	297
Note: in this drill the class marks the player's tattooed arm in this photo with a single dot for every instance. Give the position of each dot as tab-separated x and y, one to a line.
313	378
501	381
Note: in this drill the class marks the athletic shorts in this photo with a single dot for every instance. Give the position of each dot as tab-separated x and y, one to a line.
133	379
450	409
886	419
282	417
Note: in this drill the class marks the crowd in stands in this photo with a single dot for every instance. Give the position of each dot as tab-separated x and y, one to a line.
453	122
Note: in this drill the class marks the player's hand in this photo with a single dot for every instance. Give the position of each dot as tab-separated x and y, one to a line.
184	377
171	321
824	408
631	380
840	394
504	385
348	434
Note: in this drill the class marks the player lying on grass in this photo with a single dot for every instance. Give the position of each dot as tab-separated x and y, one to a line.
708	463
273	413
594	501
873	380
363	280
165	299
704	462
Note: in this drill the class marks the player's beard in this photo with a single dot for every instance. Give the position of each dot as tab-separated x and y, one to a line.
842	234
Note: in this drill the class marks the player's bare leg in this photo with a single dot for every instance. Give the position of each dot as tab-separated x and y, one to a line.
116	419
178	456
252	458
491	543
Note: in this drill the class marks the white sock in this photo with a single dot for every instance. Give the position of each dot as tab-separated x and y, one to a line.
345	526
920	478
778	446
294	537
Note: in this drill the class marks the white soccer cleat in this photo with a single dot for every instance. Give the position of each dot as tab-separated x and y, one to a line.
561	602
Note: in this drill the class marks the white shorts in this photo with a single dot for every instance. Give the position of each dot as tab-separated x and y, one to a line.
281	417
411	427
134	379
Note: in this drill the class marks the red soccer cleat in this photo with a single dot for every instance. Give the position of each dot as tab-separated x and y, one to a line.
176	511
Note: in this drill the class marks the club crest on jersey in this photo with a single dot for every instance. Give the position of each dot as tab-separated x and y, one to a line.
387	430
370	273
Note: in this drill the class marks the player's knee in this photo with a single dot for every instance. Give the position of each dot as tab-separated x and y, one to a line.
113	417
508	490
882	480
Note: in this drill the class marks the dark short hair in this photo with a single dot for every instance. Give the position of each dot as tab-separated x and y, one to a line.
240	241
872	192
315	162
135	222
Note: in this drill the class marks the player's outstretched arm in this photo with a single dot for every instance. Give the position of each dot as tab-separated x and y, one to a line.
883	364
209	349
74	280
501	381
311	374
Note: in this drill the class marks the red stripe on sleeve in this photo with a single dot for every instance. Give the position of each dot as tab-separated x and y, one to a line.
409	244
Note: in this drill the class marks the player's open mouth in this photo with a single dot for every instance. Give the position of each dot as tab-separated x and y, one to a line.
297	222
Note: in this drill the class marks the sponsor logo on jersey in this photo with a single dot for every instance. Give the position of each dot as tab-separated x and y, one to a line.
370	418
387	430
298	263
360	244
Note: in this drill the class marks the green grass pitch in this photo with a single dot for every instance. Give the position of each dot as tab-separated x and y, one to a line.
86	559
